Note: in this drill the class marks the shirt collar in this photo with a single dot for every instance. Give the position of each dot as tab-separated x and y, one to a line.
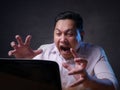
55	49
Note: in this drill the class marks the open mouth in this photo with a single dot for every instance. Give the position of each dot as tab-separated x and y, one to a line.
66	49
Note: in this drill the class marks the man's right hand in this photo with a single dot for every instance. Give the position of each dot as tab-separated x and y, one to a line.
22	49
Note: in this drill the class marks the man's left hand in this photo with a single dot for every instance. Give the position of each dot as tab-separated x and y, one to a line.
78	71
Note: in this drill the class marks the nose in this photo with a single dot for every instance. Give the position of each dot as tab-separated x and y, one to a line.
63	38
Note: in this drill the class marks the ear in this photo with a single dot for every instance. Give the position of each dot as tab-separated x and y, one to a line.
82	33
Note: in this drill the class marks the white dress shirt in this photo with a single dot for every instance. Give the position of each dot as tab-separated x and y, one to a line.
97	66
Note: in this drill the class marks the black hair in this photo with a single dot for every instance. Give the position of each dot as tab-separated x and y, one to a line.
73	16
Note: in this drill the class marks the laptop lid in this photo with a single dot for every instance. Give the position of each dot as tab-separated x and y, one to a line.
19	74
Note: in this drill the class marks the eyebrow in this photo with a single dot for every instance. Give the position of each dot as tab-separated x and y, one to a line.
57	29
66	30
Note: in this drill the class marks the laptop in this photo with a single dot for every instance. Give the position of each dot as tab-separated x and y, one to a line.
23	74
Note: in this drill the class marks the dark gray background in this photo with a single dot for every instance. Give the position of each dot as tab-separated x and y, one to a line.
101	23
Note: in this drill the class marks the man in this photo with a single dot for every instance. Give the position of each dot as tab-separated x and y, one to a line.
82	66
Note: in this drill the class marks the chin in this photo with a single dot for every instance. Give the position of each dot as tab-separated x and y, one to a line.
67	56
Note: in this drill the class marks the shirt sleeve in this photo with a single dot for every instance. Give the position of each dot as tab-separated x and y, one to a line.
103	70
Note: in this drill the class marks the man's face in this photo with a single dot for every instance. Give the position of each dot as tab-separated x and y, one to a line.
66	36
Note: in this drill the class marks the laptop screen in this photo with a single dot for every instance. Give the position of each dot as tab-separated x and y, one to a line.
29	75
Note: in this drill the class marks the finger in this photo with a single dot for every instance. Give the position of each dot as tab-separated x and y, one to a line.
81	61
78	82
76	71
27	40
67	66
73	53
19	40
14	45
10	53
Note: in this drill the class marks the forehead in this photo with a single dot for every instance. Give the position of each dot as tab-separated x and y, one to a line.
65	24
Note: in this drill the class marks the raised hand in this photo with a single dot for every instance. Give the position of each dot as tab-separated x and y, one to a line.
78	71
22	49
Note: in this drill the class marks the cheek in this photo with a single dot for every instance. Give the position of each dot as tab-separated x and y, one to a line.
73	42
56	40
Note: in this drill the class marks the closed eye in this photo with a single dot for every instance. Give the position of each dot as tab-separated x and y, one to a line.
70	33
57	32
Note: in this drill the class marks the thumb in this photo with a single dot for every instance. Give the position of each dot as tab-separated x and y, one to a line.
38	51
